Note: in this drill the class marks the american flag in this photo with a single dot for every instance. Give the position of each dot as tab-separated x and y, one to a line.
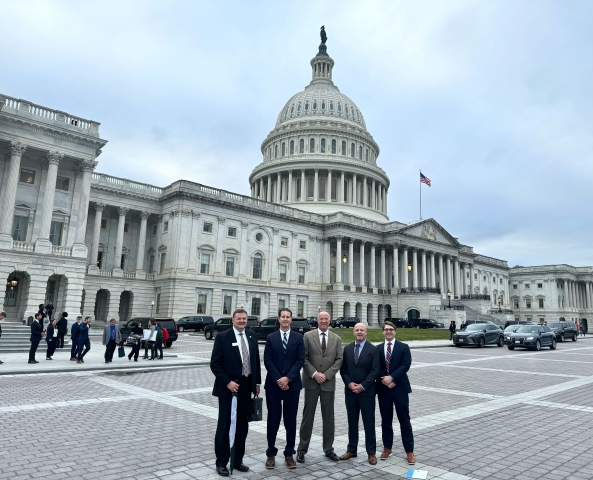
424	179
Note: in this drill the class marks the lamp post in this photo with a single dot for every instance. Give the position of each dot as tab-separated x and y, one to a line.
409	267
344	259
449	297
318	309
151	308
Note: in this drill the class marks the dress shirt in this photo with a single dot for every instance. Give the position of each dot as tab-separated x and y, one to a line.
287	335
392	345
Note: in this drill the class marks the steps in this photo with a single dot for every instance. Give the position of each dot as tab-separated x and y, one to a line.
472	314
15	338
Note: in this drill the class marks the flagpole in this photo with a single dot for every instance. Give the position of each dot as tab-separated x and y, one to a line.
420	183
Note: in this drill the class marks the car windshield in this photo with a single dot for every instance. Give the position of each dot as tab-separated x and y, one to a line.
554	325
511	328
528	329
475	327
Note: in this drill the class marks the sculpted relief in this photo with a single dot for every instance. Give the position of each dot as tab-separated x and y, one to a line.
429	232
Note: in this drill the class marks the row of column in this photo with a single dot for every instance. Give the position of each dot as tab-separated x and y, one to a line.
263	187
578	295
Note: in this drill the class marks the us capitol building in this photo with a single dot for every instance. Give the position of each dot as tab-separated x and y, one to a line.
314	233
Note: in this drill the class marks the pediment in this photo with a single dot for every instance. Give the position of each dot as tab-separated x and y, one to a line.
430	230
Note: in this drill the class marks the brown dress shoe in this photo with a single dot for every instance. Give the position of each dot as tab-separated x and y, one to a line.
372	460
290	463
411	458
348	456
386	454
271	463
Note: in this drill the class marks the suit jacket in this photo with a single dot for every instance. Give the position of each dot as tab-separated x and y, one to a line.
83	332
284	364
226	364
36	330
107	334
365	373
62	326
401	359
49	335
328	363
75	330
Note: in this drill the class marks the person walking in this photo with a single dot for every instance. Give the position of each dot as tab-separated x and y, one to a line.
36	334
236	365
165	338
158	345
84	343
149	344
111	338
136	334
359	371
452	329
62	329
284	356
52	339
323	359
393	389
2	317
74	338
582	329
462	326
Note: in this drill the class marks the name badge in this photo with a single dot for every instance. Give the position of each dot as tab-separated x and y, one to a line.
235	344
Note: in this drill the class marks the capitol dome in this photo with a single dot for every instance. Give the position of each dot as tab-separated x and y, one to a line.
320	156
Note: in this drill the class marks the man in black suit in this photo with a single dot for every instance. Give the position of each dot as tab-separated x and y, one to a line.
235	364
36	333
284	356
393	388
359	371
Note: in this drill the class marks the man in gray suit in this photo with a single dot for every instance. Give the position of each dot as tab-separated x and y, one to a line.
323	359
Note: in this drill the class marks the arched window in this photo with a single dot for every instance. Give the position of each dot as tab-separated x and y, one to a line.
292	148
331	106
323	105
276	151
334	192
306	106
292	110
312	145
323	145
340	107
310	187
343	148
333	146
315	105
257	266
346	109
352	150
283	148
301	145
322	183
360	153
299	108
298	188
367	155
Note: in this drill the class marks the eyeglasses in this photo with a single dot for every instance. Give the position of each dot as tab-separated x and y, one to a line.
388	330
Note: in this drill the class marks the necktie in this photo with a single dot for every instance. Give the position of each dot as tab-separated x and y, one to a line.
356	351
388	356
245	350
284	342
323	346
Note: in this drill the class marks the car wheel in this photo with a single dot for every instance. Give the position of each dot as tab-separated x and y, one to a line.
538	345
574	337
553	346
181	329
500	342
562	338
481	342
510	347
208	334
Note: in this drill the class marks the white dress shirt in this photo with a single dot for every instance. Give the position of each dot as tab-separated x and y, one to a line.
287	335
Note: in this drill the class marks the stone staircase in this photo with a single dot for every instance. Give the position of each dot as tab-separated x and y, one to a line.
15	338
472	314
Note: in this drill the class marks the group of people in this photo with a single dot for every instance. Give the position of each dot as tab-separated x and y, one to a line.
311	361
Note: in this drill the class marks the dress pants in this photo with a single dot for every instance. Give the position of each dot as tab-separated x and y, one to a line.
222	448
149	345
135	351
401	401
357	405
109	349
158	346
86	344
51	347
280	404
60	340
327	415
74	349
34	345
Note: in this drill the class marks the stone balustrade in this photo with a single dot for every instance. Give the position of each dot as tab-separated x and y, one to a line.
23	246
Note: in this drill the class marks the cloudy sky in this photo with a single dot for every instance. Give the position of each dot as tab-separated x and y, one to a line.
492	100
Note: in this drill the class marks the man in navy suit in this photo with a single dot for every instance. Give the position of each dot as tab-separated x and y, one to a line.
284	356
393	388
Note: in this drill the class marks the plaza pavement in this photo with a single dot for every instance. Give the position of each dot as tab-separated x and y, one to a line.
485	414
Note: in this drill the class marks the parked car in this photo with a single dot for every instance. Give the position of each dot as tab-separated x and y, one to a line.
398	322
270	325
564	330
345	322
479	334
165	322
194	322
313	322
425	323
531	336
224	323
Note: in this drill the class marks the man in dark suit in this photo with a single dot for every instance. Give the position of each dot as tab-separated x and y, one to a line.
83	339
283	358
235	364
36	333
359	371
393	388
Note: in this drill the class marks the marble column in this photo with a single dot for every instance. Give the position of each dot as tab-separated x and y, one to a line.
405	268
361	273
565	292
441	276
303	187
261	188
290	197
449	276
351	263
354	190
43	245
471	279
385	202
424	283
269	189
432	271
328	187
341	189
395	267
316	186
87	167
373	196
339	259
142	241
93	259
456	273
365	195
414	268
326	261
12	173
372	272
462	284
382	269
278	188
119	241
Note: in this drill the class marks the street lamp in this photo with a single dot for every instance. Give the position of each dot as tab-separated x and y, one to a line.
409	267
449	297
151	308
344	259
318	309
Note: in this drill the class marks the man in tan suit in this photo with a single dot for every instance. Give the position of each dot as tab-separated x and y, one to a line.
323	359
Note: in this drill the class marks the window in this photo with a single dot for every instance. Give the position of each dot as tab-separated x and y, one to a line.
227	303
154	228
322	182
276	151
515	286
334	188
298	188
202	300
346	109
301	275
323	105
257	266
162	262
19	229
157	306
259	237
352	149
27	176
302	244
366	155
55	233
314	105
205	263
100	259
255	306
230	266
343	148
528	303
301	146
339	107
165	226
515	303
283	269
63	183
323	145
207	228
10	298
311	145
122	264
540	302
151	264
493	280
284	241
232	232
475	276
281	305
540	285
283	149
300	308
292	147
360	153
306	106
334	146
527	286
104	224
310	187
299	108
126	227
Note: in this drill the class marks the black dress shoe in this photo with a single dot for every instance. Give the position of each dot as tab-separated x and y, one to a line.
243	468
332	456
222	471
32	361
301	457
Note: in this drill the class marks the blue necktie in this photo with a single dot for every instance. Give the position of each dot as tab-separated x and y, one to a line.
356	351
284	342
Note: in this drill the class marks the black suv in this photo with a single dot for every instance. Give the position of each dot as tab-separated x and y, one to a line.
425	323
225	323
398	322
313	322
194	322
270	325
344	322
165	322
564	330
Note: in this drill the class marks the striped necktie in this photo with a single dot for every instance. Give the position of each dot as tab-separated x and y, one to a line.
284	342
356	353
245	351
388	356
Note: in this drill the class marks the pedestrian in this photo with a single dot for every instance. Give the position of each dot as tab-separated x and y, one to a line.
236	365
36	334
284	356
49	308
74	336
506	324
2	317
52	339
149	344
359	371
62	329
84	343
111	338
451	330
158	345
165	338
136	335
582	330
578	327
462	326
393	388
323	359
